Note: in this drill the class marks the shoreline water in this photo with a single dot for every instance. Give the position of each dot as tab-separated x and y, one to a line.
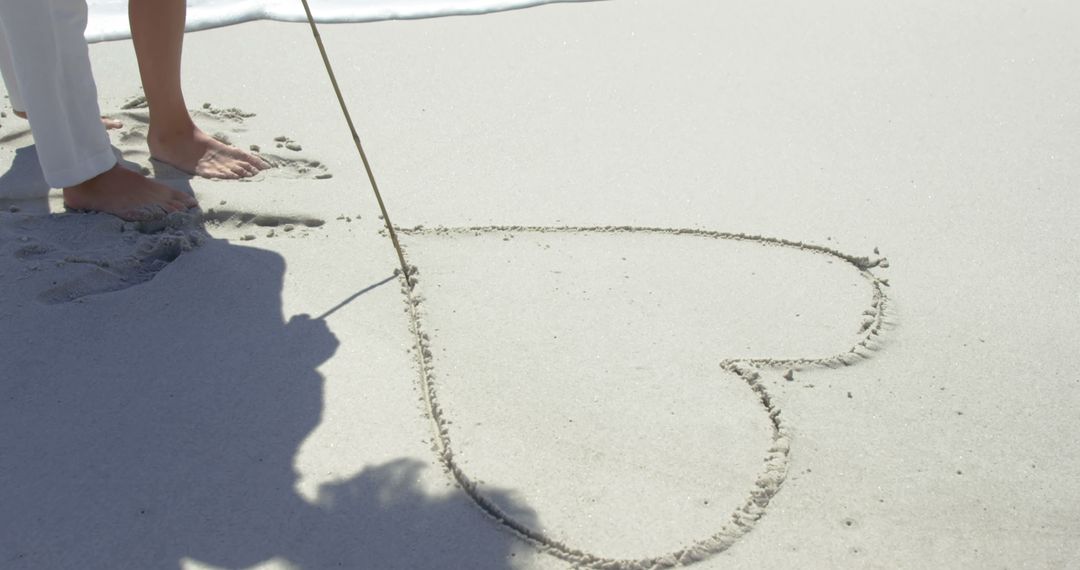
108	18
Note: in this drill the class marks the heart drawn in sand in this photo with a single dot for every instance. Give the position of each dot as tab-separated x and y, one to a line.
649	322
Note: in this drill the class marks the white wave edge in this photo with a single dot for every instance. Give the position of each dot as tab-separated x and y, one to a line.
108	19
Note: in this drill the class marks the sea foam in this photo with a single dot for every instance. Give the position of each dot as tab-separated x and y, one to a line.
108	18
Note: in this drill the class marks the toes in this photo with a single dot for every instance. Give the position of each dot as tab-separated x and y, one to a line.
111	124
256	162
155	211
249	159
214	173
143	213
238	169
249	169
136	215
174	206
185	199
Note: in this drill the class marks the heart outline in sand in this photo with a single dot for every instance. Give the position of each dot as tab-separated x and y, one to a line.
772	477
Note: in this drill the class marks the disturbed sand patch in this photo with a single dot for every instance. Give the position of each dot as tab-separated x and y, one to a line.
75	255
71	256
247	226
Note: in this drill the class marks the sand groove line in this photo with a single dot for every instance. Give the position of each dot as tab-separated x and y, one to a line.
768	483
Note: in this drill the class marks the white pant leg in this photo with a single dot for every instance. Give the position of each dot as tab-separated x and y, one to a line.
51	65
7	71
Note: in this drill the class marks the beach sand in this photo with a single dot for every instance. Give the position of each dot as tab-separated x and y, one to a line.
747	286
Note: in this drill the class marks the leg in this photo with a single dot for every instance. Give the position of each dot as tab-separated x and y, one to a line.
157	30
51	66
7	70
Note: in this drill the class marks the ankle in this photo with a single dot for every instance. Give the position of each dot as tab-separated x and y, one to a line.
91	184
174	130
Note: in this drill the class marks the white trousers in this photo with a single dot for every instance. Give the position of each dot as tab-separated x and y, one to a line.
46	67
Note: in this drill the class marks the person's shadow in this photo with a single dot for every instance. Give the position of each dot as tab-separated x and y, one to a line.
23	184
158	424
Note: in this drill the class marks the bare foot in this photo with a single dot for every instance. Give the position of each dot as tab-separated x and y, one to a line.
126	194
195	152
109	123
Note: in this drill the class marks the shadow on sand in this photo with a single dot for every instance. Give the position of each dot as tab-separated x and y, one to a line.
23	185
24	179
158	424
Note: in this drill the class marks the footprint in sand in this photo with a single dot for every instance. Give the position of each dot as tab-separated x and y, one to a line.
225	124
293	167
247	226
231	114
71	256
32	251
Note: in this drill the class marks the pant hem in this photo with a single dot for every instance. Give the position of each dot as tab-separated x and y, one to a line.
83	171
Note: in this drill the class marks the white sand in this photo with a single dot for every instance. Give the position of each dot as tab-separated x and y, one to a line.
195	418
